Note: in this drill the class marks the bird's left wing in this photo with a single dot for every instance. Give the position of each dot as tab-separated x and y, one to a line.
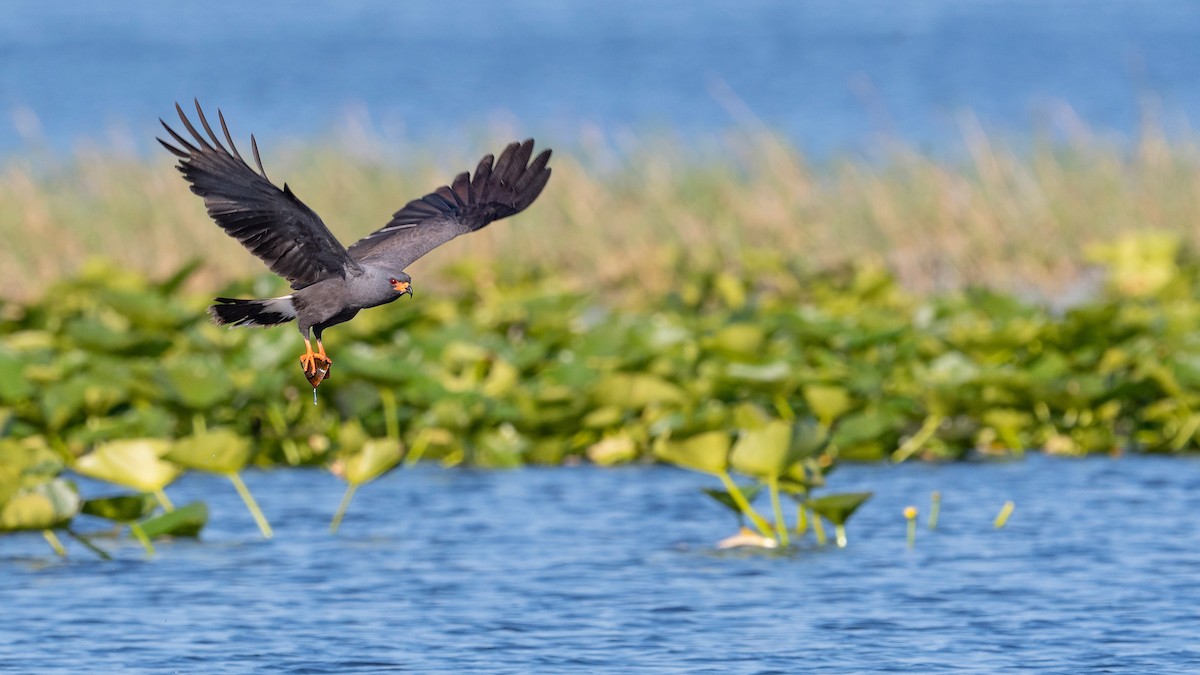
271	223
467	204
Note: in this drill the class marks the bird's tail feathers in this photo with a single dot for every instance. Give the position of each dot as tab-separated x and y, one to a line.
267	312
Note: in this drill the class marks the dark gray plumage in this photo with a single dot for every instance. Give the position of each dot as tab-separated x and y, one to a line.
332	283
464	206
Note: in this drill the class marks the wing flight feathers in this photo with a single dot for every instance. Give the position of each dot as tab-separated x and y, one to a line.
467	204
272	224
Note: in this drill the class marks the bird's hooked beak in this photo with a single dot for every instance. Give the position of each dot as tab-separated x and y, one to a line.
403	288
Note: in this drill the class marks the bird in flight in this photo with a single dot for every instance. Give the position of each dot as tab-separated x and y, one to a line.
331	283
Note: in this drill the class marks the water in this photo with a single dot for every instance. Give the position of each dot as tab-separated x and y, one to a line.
593	570
832	75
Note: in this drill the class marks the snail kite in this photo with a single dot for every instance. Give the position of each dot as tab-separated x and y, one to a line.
330	282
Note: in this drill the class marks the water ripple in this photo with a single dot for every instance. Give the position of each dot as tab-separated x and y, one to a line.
596	570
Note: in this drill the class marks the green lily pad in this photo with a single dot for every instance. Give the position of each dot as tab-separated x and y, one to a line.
637	390
197	382
13	385
134	463
750	416
100	336
185	521
707	452
501	448
42	507
61	402
865	426
10	481
26	464
838	508
828	402
376	457
613	450
739	339
808	438
764	452
216	451
750	492
603	417
773	372
121	508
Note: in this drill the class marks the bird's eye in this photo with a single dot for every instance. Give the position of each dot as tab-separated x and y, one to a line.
392	281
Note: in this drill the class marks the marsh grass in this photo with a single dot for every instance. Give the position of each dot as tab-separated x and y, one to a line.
1009	215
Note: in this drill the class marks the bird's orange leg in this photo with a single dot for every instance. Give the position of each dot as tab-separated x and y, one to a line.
308	359
322	355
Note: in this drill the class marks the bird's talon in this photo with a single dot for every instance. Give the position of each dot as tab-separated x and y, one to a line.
316	368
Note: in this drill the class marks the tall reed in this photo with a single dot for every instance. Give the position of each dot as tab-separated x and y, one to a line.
1014	215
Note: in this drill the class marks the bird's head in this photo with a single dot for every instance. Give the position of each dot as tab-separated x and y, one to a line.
401	283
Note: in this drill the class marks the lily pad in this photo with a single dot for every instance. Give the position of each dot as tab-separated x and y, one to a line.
121	508
750	492
13	385
808	438
828	402
197	382
185	521
216	451
42	507
707	452
838	508
135	463
637	390
613	450
763	452
376	457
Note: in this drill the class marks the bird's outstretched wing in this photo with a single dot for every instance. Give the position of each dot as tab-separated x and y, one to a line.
271	223
466	205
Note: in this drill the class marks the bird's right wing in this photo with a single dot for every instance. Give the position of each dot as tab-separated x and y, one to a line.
466	205
272	223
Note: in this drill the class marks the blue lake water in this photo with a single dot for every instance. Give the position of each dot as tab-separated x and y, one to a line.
832	75
592	570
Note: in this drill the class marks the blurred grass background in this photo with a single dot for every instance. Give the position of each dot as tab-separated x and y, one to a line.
1011	214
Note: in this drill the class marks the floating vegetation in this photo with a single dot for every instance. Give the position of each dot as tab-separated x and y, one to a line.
910	514
1005	512
770	379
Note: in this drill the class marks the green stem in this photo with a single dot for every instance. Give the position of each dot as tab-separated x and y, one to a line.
60	447
290	452
1005	512
935	509
818	528
341	510
277	421
912	532
784	409
738	498
780	523
199	426
141	537
417	451
388	398
418	448
801	520
1186	432
55	543
840	531
87	543
275	417
163	501
914	443
251	504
